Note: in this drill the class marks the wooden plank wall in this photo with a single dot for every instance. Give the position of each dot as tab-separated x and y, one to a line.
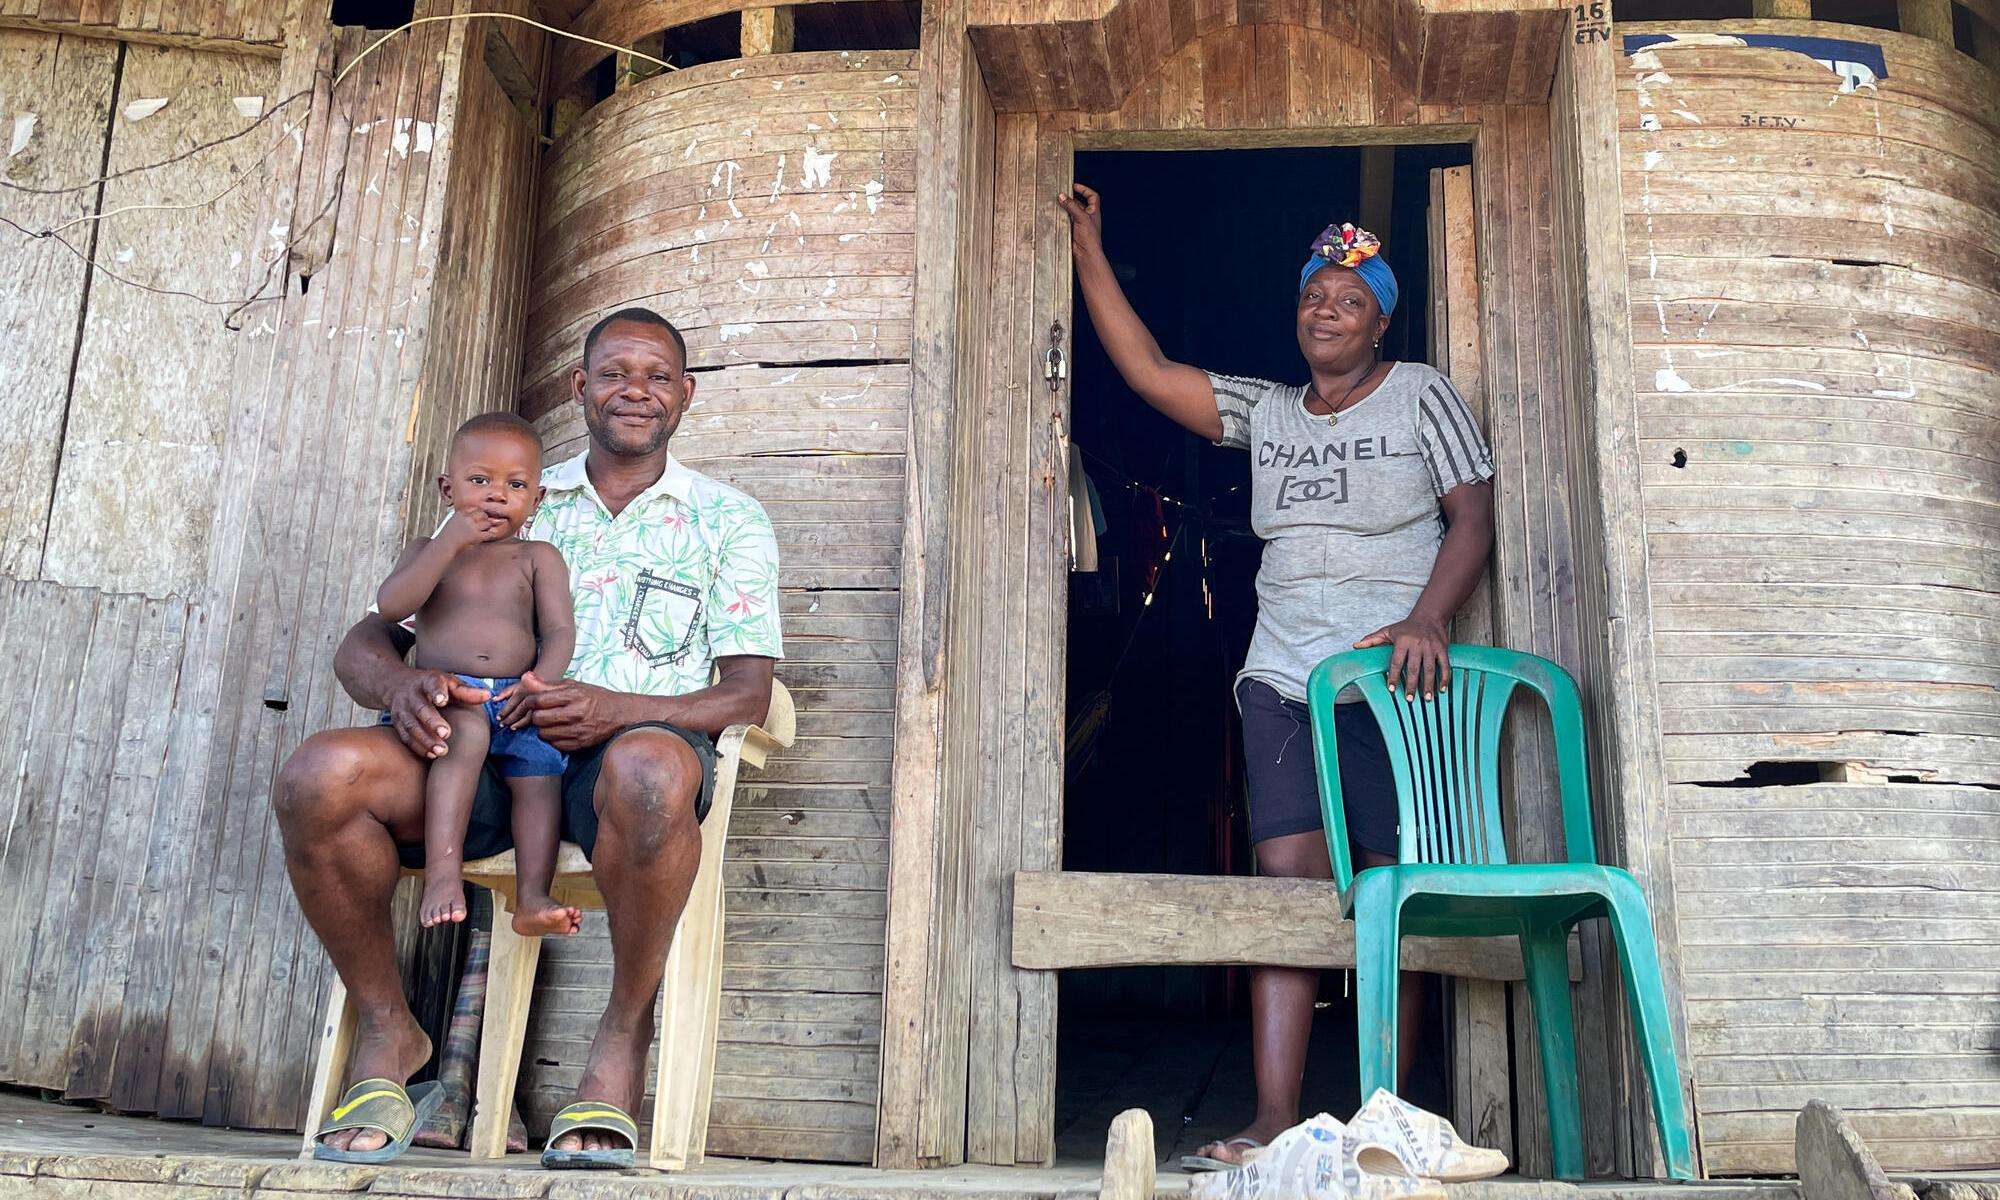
61	90
241	28
1814	304
142	435
169	971
765	206
1256	84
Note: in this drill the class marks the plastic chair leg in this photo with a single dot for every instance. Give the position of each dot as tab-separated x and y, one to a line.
1646	998
510	984
1377	955
1545	954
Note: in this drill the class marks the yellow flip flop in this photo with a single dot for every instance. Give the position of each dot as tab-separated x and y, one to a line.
591	1114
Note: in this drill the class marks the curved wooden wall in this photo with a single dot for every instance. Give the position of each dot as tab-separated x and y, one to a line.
764	205
1816	325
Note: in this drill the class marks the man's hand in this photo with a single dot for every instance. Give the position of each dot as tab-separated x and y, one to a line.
1421	663
414	702
570	715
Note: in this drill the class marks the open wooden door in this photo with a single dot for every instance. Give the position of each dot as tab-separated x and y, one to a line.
1480	1077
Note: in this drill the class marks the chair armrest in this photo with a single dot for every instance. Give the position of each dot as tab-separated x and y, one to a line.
748	742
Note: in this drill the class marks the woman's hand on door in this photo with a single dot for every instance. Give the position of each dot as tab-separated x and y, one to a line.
1086	221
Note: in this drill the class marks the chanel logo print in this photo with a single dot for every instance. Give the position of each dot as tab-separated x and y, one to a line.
1306	489
656	589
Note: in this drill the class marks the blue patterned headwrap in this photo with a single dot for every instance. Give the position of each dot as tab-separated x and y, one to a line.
1359	251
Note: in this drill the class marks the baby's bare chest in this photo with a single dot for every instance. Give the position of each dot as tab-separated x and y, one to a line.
497	577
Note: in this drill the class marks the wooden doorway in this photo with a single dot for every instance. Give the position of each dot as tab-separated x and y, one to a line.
969	1028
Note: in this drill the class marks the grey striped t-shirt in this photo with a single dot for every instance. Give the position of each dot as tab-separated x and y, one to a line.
1347	507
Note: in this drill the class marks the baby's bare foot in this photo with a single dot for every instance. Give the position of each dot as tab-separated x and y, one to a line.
443	900
540	916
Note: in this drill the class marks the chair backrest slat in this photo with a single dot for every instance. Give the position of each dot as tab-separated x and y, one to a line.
1444	753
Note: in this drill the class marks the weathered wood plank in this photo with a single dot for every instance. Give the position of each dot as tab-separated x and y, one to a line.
1068	919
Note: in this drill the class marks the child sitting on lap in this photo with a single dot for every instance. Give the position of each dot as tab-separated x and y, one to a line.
489	607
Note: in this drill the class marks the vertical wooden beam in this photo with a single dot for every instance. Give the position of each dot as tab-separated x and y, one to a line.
1629	775
1482	1096
1789	10
1926	19
633	70
768	30
920	1116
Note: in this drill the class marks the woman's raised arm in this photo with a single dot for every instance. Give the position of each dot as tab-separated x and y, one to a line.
1182	393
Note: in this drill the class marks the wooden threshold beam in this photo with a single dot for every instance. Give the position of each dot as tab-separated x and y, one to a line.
1066	919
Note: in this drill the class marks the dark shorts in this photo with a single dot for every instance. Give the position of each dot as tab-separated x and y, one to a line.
1284	784
489	831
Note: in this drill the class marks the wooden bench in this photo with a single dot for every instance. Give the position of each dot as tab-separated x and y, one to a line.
690	994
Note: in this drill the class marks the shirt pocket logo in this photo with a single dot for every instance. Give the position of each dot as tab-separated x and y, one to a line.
665	619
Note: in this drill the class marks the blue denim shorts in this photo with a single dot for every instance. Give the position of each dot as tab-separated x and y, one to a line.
514	753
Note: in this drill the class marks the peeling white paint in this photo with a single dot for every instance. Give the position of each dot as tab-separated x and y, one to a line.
124	256
728	332
1657	77
758	268
892	79
251	107
139	110
1649	122
1687	116
1908	392
819	167
848	237
1646	60
1651	160
24	129
1666	379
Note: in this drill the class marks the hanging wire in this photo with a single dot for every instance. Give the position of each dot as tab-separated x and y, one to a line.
237	304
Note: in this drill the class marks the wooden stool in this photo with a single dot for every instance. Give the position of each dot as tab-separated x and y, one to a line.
690	993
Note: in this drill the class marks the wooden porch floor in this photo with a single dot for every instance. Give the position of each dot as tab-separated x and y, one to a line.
50	1151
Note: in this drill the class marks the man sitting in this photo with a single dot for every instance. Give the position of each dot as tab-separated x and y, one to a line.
674	577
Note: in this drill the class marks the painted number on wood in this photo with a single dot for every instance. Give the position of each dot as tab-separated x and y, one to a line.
1762	121
1593	22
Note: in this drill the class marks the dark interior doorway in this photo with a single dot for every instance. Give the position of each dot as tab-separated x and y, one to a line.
1207	245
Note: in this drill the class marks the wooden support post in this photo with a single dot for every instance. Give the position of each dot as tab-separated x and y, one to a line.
1926	19
767	30
1628	782
1128	1157
1788	10
637	70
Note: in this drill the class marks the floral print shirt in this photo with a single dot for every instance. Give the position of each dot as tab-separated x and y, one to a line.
686	574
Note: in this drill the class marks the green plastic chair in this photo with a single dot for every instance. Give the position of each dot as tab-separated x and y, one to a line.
1453	877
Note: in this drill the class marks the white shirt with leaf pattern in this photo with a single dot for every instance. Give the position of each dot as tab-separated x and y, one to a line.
686	574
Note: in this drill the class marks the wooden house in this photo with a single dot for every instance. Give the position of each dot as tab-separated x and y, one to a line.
1722	285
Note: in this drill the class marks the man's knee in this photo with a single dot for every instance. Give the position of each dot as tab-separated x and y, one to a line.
648	785
324	776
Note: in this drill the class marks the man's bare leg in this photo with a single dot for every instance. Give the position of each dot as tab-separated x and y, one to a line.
648	847
537	824
343	800
448	795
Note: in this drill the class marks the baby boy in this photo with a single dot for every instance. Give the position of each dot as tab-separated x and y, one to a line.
489	607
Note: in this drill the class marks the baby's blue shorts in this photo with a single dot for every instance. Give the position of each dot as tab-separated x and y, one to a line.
515	753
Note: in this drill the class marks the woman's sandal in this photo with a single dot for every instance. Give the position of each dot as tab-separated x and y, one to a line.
591	1114
382	1105
1197	1163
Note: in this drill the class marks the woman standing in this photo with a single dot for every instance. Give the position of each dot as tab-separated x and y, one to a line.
1370	485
